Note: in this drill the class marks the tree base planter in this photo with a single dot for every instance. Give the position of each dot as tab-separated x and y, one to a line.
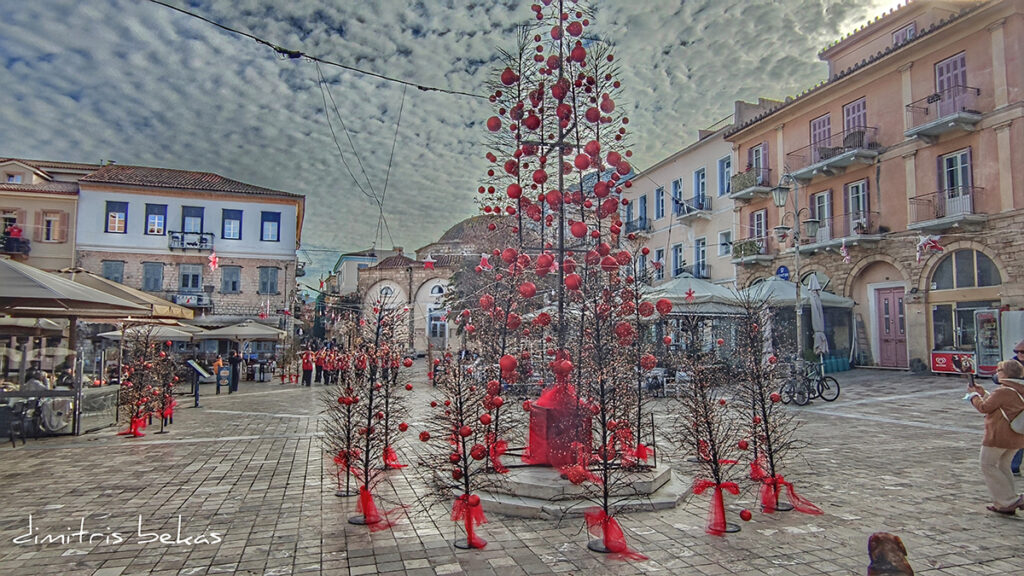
463	544
361	520
345	493
597	545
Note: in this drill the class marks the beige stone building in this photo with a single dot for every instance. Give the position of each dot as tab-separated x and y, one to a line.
41	199
911	146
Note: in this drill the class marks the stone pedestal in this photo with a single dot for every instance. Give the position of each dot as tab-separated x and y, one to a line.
553	433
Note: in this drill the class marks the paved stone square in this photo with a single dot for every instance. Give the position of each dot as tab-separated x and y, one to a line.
897	453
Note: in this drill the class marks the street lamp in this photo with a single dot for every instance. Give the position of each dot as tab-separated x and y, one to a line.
780	195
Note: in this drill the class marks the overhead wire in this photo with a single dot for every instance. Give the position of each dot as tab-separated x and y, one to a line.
293	54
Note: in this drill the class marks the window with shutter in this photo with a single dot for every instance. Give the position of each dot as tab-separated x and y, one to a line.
152	276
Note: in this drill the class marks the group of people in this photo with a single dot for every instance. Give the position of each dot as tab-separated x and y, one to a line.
1002	448
323	365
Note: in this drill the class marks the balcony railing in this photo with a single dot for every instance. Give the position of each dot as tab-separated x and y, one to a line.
949	110
15	246
696	206
190	240
833	229
834	154
753	250
945	208
746	185
300	269
698	270
638	225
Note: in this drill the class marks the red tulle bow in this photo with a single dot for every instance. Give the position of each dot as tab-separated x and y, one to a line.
373	518
495	449
770	490
169	410
602	525
471	512
391	458
716	514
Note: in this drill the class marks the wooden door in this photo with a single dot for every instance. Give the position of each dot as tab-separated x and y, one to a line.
891	326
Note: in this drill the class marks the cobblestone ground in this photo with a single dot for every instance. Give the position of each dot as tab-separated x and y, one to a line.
895	453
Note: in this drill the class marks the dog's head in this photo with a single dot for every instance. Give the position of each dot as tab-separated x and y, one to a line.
888	556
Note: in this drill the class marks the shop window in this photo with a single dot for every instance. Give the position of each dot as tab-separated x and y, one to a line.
965	269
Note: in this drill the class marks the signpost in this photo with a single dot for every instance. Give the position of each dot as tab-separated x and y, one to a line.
782	272
199	373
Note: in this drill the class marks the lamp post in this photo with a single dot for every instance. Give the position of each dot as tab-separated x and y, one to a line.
780	195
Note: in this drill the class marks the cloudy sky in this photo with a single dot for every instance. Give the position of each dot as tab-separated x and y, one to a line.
139	83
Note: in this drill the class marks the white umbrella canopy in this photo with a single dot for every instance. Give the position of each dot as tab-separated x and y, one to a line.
30	292
243	331
691	295
781	292
158	332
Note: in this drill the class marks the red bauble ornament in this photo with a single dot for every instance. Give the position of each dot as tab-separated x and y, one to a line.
772	359
494	123
578	229
648	361
742	444
667	340
720	341
775	397
408	387
582	161
473	500
407	362
457	473
664	306
485	419
721	401
498	401
609	264
402	427
477	452
508	363
465	431
508	77
646	309
745	515
573	282
526	405
527	289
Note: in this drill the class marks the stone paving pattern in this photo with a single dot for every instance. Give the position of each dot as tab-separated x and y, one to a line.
897	452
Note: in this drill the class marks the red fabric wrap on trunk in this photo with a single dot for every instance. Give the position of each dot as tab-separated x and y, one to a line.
716	514
374	519
471	516
602	525
771	489
391	458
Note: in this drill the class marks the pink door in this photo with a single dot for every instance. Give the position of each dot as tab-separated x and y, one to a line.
892	328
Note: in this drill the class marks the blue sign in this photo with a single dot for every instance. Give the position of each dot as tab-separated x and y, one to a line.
782	272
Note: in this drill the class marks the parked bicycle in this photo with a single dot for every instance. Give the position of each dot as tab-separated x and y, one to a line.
812	384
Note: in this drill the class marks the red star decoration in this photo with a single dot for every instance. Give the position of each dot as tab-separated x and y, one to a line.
690	294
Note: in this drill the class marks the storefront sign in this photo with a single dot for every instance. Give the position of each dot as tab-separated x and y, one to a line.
953	362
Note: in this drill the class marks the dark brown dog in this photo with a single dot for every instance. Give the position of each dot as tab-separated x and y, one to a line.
888	556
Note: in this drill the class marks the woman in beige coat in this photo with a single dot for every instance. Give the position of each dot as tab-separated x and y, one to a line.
1001	442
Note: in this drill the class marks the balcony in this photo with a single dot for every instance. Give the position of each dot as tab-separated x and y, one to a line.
202	241
856	227
638	225
699	270
834	155
15	246
951	110
747	185
696	207
945	209
192	299
752	251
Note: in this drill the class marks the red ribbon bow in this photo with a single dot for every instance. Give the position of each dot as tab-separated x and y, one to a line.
468	509
602	525
372	516
716	514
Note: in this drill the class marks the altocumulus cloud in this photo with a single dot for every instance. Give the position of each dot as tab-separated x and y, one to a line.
131	81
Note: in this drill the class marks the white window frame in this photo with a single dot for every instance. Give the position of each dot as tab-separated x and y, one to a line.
677	196
700	253
659	257
659	202
725	243
677	259
700	183
724	175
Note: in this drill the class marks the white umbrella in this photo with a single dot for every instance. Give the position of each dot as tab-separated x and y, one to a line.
157	332
817	317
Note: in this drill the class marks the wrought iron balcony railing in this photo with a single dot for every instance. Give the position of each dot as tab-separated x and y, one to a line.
832	155
190	240
698	205
954	108
745	185
638	225
953	203
698	270
15	246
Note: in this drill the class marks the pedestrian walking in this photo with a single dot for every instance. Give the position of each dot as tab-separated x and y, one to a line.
235	360
1001	442
1018	356
218	364
307	367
